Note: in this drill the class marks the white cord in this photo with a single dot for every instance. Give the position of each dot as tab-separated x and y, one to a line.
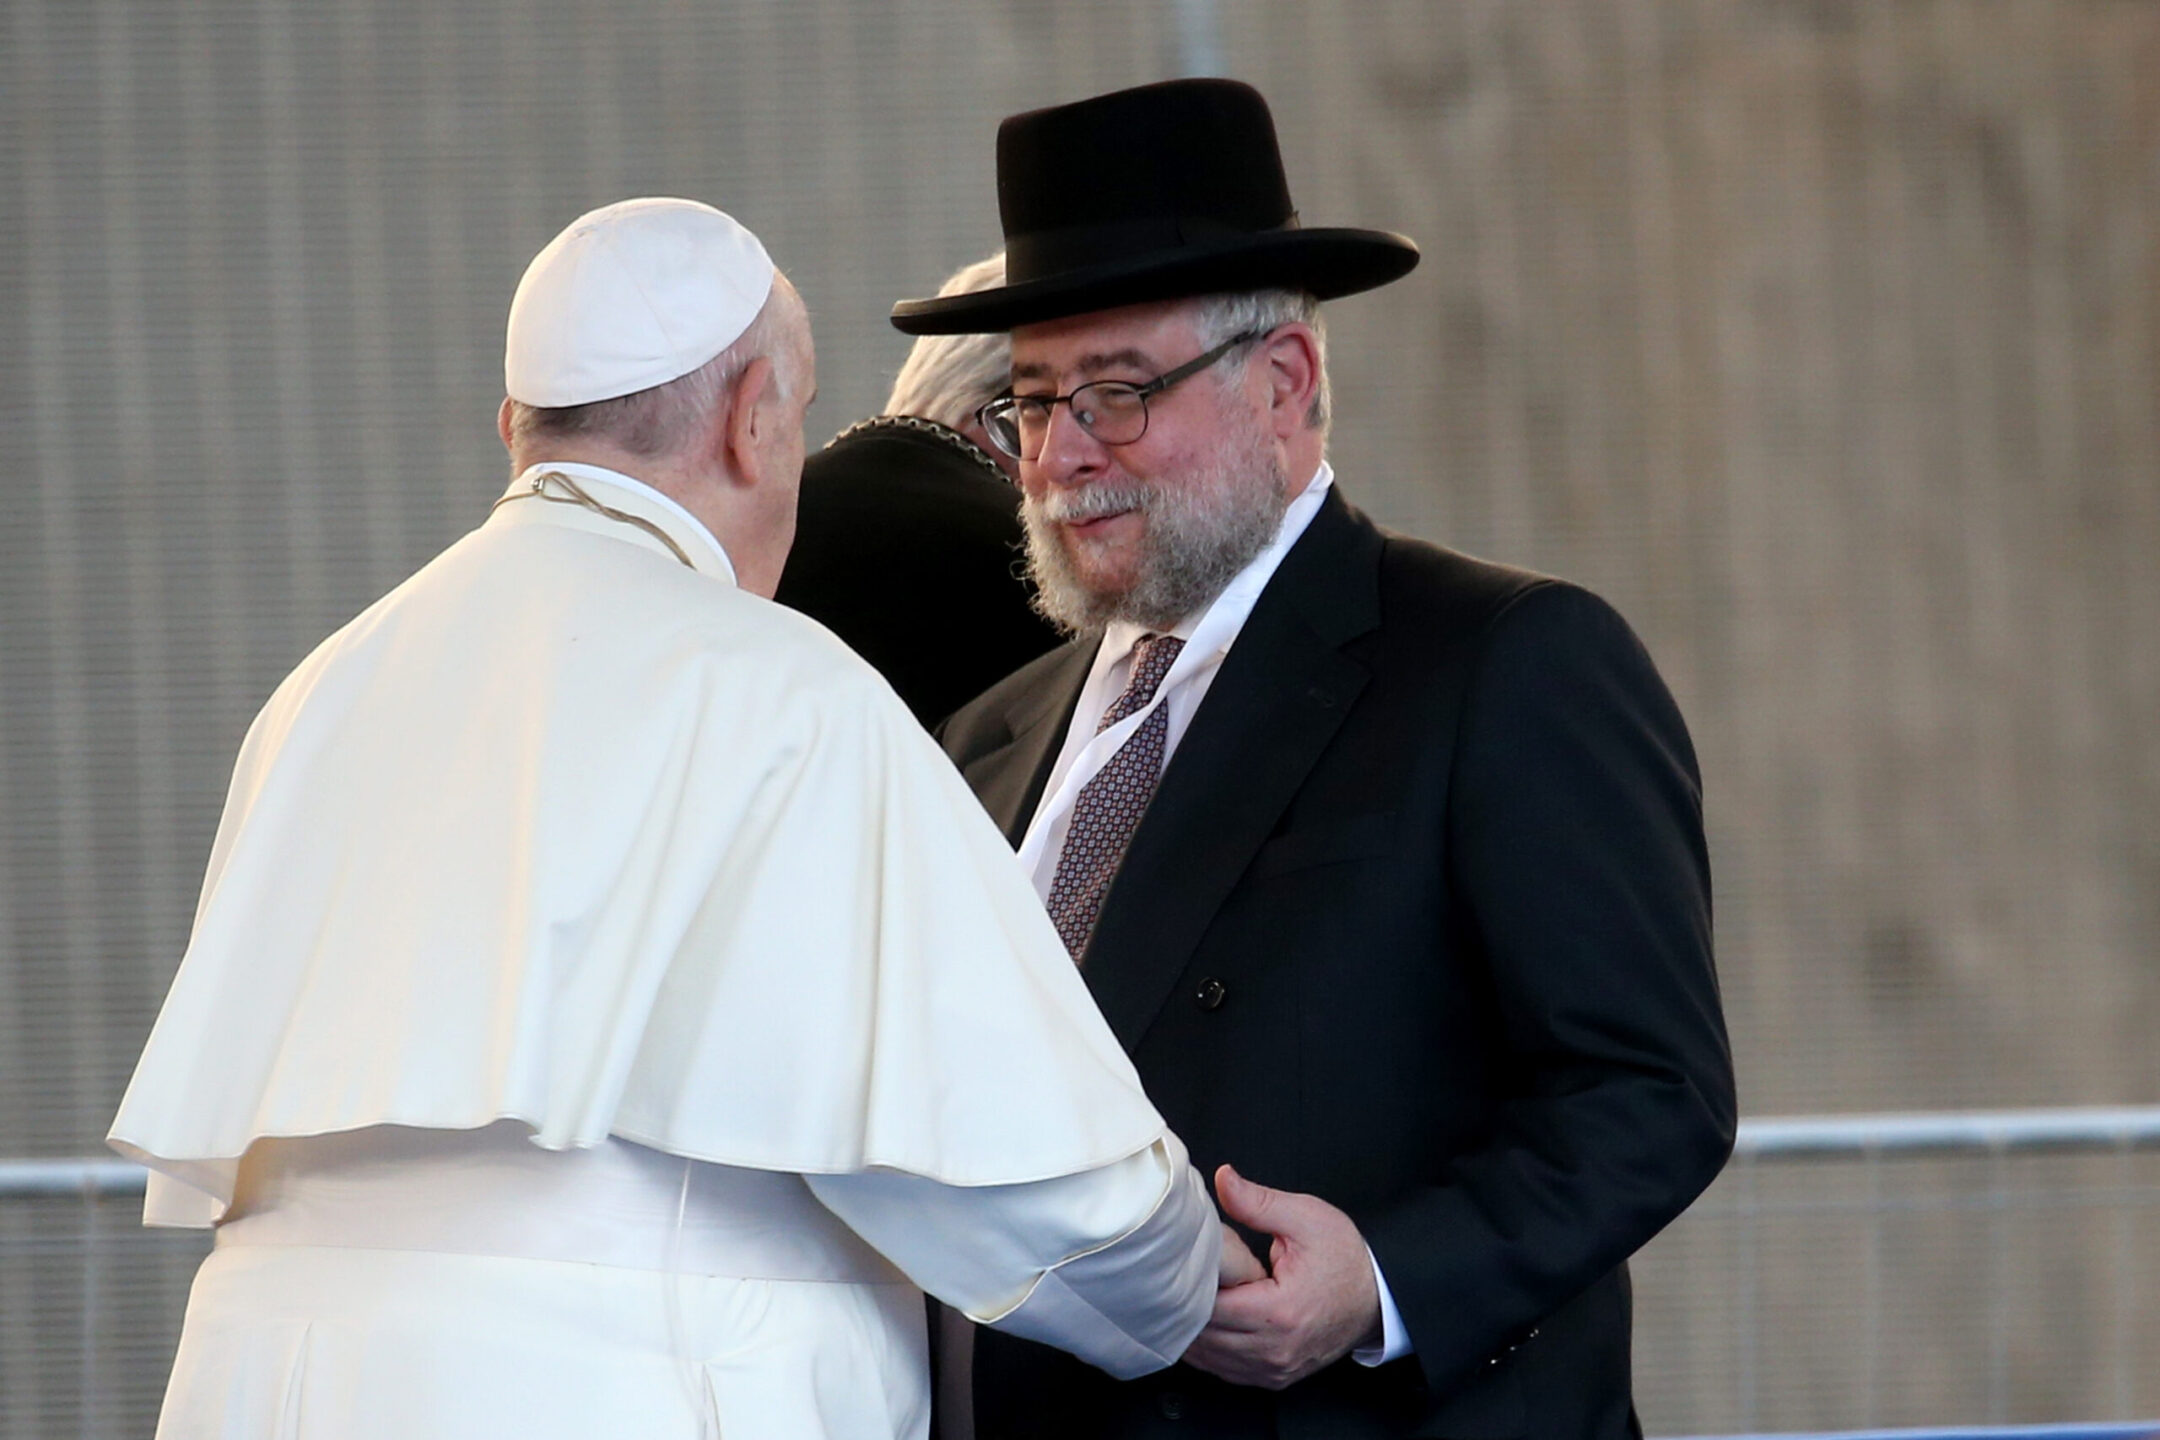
696	1386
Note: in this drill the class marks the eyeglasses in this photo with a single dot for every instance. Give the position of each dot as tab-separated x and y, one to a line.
1113	411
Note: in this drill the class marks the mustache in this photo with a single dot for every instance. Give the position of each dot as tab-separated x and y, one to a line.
1093	502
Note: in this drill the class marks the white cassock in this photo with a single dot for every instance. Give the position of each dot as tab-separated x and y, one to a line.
606	1006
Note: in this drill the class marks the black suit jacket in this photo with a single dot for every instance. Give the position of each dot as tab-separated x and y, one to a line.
901	524
1418	921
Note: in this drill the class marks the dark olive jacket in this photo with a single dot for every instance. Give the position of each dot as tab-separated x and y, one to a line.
1418	922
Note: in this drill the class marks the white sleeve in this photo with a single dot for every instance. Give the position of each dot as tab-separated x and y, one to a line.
1116	1264
1394	1341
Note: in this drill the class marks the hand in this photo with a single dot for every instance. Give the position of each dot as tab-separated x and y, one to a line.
1239	1265
1319	1305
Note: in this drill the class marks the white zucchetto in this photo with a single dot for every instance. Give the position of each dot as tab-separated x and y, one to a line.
630	296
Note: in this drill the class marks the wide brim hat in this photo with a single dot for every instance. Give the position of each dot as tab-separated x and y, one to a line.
1155	193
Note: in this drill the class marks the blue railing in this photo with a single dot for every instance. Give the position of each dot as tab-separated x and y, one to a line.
1750	1198
1950	1132
1852	1137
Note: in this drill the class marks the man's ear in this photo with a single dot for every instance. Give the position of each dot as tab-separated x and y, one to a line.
751	413
502	423
1292	368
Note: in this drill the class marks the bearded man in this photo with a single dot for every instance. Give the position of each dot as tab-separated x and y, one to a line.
606	1006
1385	864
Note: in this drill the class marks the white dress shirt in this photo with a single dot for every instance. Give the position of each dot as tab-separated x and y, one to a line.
1208	637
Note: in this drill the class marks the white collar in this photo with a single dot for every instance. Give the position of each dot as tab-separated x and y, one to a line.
1208	636
698	544
1208	632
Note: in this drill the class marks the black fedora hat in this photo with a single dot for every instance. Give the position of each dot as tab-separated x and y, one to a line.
1154	193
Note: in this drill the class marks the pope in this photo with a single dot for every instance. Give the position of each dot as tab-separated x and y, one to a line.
606	1007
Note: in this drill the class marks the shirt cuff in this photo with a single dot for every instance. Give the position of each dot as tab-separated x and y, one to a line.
1394	1337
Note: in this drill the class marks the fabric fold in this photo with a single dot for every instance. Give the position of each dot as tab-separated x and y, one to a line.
455	885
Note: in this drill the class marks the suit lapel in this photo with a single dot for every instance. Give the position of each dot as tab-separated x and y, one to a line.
1282	694
1009	780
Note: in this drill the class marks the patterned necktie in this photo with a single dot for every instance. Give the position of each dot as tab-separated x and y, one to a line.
1109	806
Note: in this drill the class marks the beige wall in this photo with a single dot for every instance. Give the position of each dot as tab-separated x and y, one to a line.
1823	338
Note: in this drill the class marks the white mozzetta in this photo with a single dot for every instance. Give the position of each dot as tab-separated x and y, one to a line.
565	832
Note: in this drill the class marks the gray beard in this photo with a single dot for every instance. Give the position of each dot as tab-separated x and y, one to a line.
1199	535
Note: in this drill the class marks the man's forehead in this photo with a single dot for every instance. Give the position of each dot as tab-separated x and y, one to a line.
1132	335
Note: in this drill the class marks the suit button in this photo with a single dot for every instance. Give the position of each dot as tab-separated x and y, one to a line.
1526	1337
1211	994
1172	1405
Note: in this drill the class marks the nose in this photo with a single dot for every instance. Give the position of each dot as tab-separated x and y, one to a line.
1070	455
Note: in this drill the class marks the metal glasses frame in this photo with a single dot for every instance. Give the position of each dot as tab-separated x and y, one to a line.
999	414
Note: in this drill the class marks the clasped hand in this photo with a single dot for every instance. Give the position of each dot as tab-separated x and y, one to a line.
1319	1303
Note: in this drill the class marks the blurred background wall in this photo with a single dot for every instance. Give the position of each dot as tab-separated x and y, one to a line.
1822	336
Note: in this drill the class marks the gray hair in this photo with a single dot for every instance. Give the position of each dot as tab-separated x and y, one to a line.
948	377
661	420
1218	317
